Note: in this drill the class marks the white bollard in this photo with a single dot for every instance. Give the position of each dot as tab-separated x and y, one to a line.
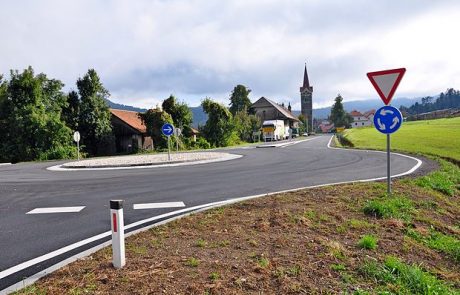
118	233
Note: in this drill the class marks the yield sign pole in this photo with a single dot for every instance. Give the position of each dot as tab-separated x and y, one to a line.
385	83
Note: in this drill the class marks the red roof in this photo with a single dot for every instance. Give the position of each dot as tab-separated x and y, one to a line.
355	113
368	113
131	118
325	128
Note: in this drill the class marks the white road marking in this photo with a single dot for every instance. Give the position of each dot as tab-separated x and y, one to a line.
298	141
183	212
56	210
5	164
158	205
419	162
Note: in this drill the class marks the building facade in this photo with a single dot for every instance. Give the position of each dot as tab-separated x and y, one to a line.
130	132
362	119
306	100
267	109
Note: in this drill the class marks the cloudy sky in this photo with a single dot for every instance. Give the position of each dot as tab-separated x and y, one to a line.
145	50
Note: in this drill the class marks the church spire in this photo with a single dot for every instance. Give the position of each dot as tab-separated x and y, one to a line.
306	83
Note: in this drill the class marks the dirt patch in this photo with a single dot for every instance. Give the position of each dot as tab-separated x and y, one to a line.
303	242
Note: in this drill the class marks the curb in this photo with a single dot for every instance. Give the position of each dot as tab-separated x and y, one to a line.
284	144
227	157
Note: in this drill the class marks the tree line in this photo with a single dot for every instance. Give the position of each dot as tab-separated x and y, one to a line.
446	100
224	126
37	118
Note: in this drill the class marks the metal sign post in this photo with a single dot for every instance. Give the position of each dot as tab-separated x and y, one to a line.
168	130
388	166
177	133
76	138
387	119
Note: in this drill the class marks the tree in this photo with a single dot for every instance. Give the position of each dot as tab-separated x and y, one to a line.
218	130
30	116
303	128
71	110
180	112
239	100
154	119
338	116
246	124
94	119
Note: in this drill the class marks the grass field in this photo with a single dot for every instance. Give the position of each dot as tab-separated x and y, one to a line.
432	137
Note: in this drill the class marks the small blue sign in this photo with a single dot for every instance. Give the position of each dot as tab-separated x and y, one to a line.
387	119
167	129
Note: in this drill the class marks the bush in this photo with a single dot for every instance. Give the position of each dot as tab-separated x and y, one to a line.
343	140
200	143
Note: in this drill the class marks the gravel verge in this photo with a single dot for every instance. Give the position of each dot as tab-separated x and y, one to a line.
145	160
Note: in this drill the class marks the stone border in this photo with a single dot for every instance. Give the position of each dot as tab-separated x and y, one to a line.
106	165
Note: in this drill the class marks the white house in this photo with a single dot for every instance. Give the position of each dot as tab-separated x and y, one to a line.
362	120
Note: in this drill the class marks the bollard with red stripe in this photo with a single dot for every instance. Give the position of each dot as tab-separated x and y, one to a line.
118	233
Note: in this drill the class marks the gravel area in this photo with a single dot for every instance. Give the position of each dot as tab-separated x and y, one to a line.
144	160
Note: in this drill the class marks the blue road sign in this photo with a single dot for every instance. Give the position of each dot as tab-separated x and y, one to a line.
167	129
387	119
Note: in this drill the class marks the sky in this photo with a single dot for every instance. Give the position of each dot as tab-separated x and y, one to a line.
145	50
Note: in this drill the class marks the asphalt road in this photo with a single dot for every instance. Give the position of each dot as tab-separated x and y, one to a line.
26	186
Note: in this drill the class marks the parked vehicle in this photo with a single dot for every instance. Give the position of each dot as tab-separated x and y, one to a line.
274	130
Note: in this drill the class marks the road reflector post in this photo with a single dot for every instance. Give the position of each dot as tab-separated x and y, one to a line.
118	233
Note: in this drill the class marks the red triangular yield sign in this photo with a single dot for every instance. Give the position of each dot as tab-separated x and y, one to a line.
386	82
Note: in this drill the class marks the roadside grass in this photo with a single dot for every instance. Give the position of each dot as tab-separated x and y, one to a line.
192	262
368	242
396	277
440	138
394	206
446	180
438	241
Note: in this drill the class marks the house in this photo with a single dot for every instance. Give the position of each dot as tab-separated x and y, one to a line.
267	109
130	132
326	126
362	119
194	133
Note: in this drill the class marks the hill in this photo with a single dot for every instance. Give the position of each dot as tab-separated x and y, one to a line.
363	105
114	105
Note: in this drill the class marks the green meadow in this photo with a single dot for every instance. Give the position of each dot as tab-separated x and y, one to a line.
439	137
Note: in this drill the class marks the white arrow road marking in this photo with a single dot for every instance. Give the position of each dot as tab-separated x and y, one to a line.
381	126
383	112
56	210
395	122
158	205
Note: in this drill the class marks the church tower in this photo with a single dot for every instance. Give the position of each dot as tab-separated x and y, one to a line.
306	100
